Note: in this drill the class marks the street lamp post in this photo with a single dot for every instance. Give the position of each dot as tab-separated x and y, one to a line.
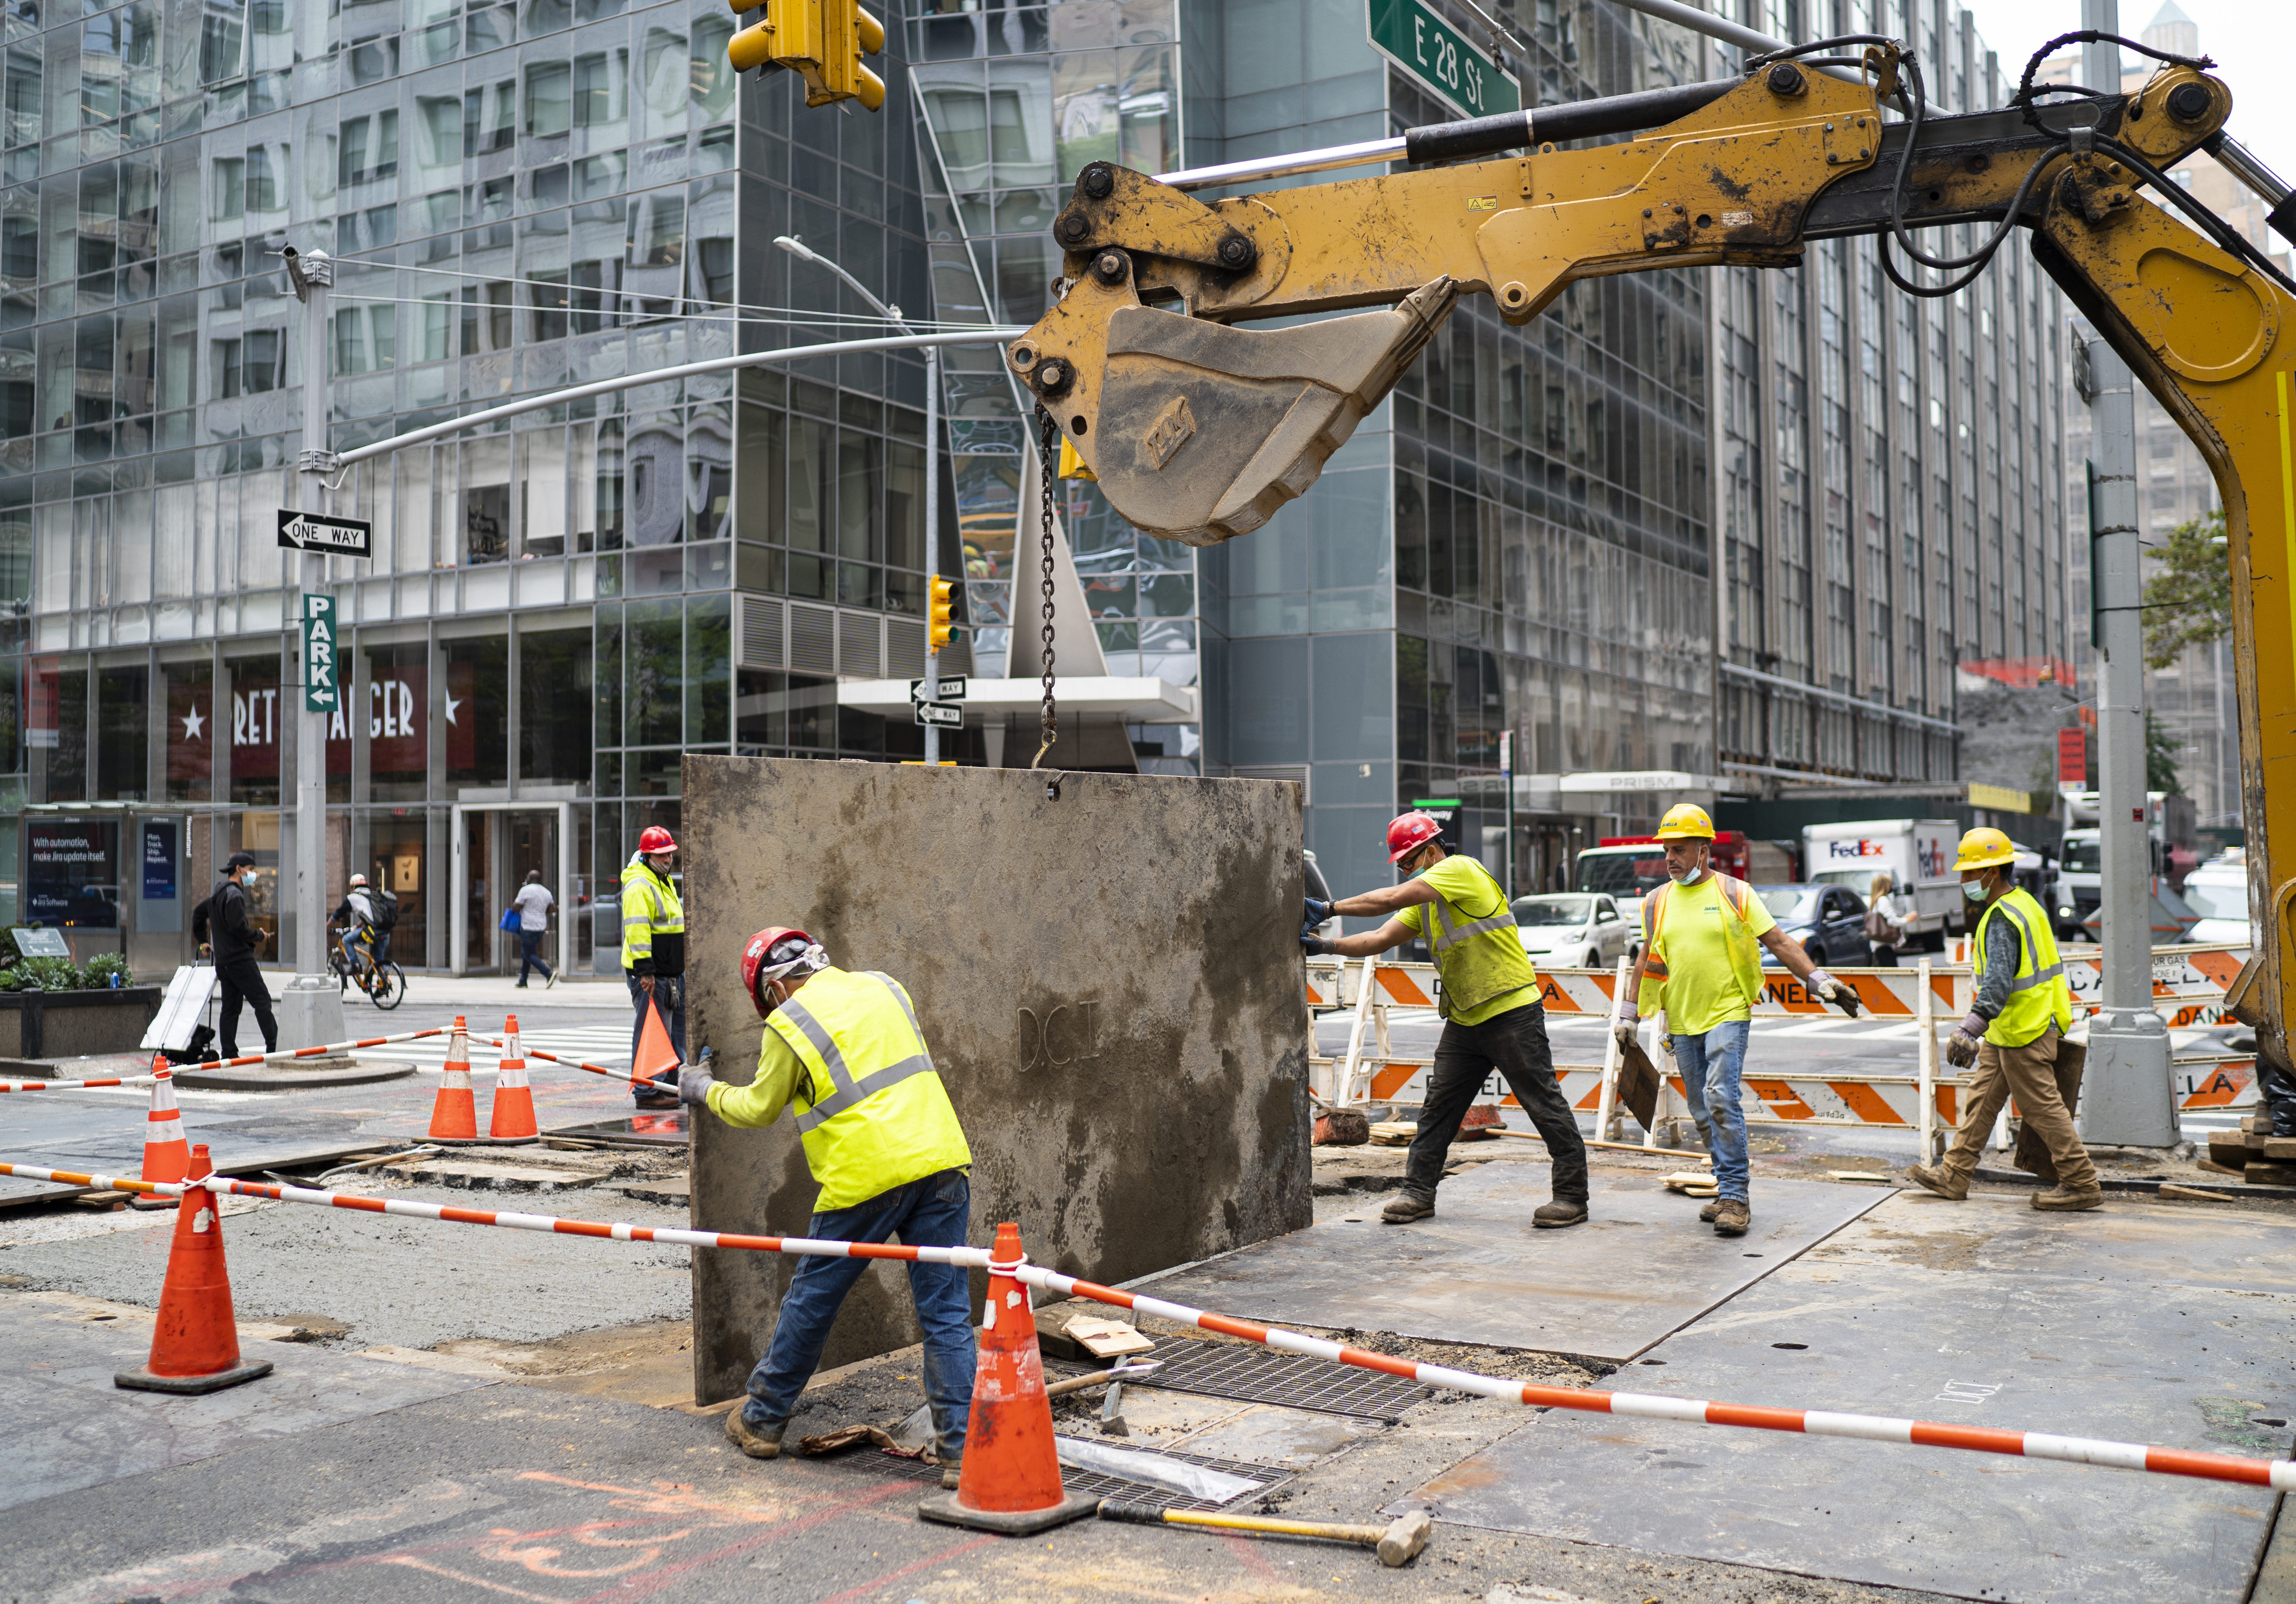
804	252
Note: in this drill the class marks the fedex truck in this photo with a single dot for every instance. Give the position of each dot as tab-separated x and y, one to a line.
1916	853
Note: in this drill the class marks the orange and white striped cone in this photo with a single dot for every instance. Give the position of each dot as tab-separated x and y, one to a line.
167	1153
1011	1479
454	1115
513	1119
195	1345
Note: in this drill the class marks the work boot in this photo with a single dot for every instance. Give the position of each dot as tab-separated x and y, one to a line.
758	1442
1555	1215
1709	1211
952	1467
1732	1216
2065	1200
1940	1180
1407	1208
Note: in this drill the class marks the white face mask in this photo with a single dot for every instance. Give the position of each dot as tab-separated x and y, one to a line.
1685	876
1974	890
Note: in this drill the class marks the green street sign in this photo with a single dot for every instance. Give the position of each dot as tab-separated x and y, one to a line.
1411	34
319	690
1436	801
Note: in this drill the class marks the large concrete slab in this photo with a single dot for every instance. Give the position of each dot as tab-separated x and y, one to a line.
1478	1272
1110	983
68	1427
2075	1348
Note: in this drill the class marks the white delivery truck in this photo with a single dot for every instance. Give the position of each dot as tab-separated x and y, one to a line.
1916	853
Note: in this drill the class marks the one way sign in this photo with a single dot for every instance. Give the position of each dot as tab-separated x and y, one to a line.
314	531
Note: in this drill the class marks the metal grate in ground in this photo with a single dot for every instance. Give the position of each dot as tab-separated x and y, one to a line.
1093	1485
1254	1375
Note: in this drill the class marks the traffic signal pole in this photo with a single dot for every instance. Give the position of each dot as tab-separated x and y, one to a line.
311	1010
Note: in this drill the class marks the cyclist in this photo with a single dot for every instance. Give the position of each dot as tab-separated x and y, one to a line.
356	915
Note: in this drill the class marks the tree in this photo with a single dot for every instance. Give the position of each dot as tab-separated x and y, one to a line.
2188	599
2160	752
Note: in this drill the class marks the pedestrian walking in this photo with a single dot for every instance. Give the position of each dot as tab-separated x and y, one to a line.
534	903
844	1051
653	953
1492	1015
2013	1030
1885	922
1704	933
221	925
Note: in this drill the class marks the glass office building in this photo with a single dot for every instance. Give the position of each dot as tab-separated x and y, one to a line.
525	197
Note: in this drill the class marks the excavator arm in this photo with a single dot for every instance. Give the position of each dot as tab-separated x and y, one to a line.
1198	430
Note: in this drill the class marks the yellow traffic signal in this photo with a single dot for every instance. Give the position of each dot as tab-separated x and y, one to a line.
939	628
822	41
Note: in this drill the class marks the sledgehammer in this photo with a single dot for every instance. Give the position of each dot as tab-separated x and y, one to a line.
1397	1542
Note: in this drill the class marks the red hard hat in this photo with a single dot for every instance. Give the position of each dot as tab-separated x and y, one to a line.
758	964
1409	833
655	839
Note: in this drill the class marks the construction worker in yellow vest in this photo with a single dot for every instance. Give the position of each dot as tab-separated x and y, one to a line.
1703	936
1492	1015
844	1053
653	954
2015	1025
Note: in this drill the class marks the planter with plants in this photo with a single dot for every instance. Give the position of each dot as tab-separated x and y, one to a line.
52	1007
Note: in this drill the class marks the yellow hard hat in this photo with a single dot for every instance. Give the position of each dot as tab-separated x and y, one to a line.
1685	821
1984	847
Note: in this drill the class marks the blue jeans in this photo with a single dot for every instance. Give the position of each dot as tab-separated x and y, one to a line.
673	1020
930	1212
1710	1065
530	944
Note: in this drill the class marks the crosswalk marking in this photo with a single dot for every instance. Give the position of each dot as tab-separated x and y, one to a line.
607	1045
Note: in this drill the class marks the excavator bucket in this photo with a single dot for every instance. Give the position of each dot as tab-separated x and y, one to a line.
1204	430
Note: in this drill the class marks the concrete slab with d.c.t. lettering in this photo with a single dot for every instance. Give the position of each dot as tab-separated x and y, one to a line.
1109	980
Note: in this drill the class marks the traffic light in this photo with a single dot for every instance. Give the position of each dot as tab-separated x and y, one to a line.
938	630
822	41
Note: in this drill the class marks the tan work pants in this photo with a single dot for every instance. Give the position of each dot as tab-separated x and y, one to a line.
2029	1074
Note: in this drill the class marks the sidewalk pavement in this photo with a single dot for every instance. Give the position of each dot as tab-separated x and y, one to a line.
494	993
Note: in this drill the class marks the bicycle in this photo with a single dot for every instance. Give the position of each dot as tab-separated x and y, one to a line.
384	984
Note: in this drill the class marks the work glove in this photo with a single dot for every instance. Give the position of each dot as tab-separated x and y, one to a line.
1315	945
1961	1048
1826	989
1318	910
1629	1023
693	1084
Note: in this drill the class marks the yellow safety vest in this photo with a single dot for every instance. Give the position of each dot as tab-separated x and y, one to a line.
871	1109
1479	959
2038	997
1745	951
650	910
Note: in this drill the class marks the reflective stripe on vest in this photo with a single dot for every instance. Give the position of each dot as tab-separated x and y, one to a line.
2038	995
1481	960
1745	952
845	1091
1449	935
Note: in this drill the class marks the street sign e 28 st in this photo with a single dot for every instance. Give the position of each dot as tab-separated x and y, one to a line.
1410	34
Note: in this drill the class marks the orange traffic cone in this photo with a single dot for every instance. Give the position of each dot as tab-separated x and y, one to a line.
195	1346
454	1116
1011	1478
167	1155
513	1112
657	1053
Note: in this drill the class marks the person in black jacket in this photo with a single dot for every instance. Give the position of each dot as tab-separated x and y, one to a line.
221	925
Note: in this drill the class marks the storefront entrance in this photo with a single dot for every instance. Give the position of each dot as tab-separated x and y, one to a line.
495	845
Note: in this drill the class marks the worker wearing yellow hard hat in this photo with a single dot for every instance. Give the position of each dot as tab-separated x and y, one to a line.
2016	1025
1703	935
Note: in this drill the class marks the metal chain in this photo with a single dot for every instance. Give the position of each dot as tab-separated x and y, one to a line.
1049	438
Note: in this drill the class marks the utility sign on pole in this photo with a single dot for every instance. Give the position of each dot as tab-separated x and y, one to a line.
1410	34
319	693
950	688
330	537
941	715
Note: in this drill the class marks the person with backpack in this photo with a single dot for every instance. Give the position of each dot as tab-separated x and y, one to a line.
354	916
1704	934
220	925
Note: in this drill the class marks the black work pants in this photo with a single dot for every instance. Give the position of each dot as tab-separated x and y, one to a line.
241	980
1515	1044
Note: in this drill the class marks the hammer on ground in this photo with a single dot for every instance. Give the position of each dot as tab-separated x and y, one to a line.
1397	1542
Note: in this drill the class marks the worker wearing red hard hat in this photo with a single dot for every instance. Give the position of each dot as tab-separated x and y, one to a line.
848	1058
1492	1015
653	952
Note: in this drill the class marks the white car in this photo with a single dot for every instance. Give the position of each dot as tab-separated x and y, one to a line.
2217	890
1572	930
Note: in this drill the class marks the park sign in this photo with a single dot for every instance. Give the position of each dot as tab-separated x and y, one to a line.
329	537
1415	38
319	690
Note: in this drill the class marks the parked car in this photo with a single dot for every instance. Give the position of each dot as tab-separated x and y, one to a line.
1829	921
2217	890
1572	930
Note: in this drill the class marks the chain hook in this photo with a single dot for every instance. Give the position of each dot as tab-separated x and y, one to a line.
1049	439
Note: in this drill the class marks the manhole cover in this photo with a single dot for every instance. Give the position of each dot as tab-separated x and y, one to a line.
1254	1375
1091	1484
